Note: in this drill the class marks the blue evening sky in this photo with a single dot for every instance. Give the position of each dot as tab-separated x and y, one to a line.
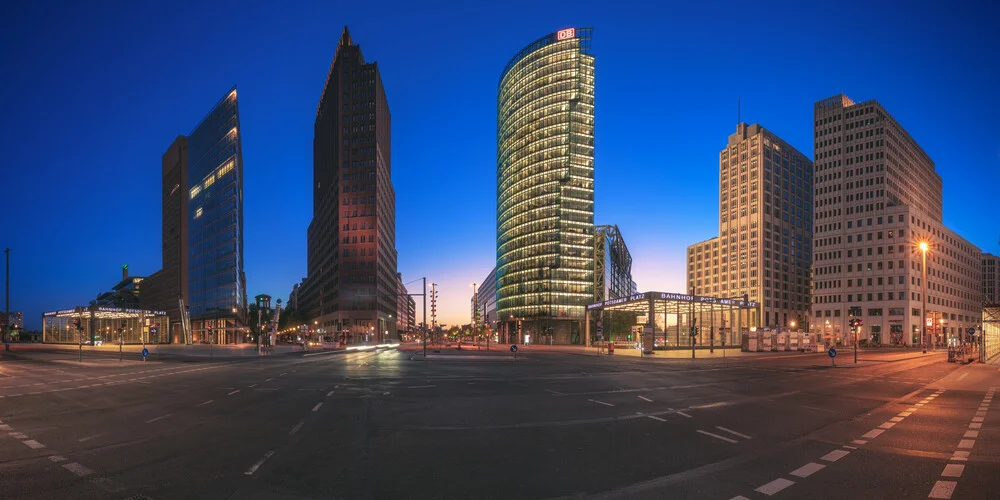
93	92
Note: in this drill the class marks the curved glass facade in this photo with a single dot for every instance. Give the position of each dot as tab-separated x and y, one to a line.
545	179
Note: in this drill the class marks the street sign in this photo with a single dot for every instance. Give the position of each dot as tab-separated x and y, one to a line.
600	329
832	352
145	352
971	331
513	348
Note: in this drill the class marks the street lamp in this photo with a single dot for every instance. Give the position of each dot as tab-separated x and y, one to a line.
792	324
923	309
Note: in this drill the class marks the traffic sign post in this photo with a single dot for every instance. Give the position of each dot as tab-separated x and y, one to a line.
513	349
145	354
833	356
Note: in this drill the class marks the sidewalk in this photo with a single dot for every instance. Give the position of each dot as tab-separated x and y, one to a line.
160	351
469	351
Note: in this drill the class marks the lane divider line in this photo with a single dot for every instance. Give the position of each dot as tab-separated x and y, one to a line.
723	438
253	468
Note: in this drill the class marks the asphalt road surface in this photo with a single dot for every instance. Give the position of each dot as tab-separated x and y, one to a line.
388	424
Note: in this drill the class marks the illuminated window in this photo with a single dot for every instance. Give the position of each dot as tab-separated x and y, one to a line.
197	213
224	169
195	190
209	180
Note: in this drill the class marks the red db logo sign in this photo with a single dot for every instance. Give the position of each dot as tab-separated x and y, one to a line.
566	34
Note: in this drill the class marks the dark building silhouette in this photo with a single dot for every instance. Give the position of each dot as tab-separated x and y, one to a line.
350	291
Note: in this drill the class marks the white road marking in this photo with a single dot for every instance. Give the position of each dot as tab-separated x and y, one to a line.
834	455
896	419
966	443
644	398
260	462
740	434
252	386
818	409
283	374
684	414
18	435
953	470
557	393
34	445
774	486
268	380
600	402
234	392
960	455
316	408
976	425
716	436
88	438
739	497
161	417
849	447
872	434
297	427
57	458
859	441
77	469
905	414
963	376
977	419
419	386
971	434
4	427
887	425
654	417
943	489
807	469
329	394
206	402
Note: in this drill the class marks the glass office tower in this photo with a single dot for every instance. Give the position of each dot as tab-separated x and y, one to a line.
545	188
215	207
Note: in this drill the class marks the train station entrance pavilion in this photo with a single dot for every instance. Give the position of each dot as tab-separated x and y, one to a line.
718	321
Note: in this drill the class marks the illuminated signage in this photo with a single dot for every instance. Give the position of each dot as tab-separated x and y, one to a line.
566	34
676	297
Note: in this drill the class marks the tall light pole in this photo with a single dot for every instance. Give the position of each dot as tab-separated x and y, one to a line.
6	308
923	309
475	313
425	315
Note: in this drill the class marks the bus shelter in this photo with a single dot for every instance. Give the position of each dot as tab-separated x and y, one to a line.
671	316
111	325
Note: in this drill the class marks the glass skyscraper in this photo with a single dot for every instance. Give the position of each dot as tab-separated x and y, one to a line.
545	187
217	282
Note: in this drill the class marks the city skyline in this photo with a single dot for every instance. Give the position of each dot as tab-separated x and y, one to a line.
77	170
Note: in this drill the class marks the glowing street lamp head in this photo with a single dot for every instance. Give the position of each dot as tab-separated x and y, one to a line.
923	246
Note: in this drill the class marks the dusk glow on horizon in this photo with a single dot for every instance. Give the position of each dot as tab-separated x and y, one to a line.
95	95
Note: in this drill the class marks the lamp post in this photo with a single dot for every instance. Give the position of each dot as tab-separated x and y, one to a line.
475	314
6	308
923	309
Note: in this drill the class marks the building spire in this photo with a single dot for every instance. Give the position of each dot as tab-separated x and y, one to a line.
345	38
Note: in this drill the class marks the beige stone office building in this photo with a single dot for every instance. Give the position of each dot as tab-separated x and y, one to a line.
765	228
877	197
991	279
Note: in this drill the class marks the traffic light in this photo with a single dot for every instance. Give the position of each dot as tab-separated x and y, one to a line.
694	332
